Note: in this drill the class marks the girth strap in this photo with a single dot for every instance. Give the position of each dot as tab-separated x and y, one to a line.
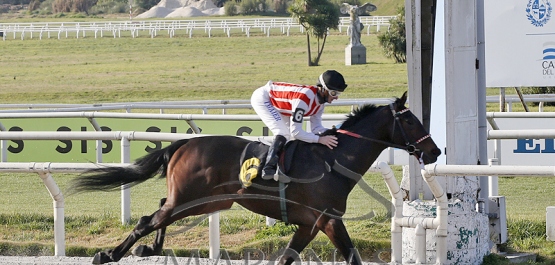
282	202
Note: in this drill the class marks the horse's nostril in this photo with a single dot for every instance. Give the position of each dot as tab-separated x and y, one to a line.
436	152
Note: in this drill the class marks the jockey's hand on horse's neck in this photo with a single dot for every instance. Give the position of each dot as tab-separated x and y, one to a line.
328	140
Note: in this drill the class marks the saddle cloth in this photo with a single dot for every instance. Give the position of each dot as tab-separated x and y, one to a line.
253	159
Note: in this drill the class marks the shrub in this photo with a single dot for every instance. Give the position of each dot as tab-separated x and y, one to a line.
249	7
46	7
280	6
394	41
111	7
75	6
230	8
540	90
34	5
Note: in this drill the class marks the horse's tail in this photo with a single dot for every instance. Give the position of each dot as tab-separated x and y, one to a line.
111	178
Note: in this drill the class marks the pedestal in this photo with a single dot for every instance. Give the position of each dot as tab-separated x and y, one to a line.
355	55
467	234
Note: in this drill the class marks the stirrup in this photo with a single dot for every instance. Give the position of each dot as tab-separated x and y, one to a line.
281	177
278	176
268	176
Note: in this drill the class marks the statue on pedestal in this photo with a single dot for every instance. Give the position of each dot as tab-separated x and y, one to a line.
356	26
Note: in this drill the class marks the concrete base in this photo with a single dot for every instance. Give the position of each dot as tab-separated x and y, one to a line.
467	234
355	55
550	223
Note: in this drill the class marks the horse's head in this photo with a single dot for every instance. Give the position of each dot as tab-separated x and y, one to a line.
408	131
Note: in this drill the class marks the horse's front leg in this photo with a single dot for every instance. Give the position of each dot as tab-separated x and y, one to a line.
337	233
298	242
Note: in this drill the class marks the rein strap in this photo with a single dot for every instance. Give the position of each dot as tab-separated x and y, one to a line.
356	135
411	148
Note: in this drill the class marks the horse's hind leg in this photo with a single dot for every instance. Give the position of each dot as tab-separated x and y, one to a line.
147	224
157	246
337	233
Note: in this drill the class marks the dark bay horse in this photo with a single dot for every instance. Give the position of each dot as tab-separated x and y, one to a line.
202	177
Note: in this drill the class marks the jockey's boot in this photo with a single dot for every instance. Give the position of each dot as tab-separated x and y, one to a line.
270	167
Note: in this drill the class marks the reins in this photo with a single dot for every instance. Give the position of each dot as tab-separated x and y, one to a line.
356	135
410	148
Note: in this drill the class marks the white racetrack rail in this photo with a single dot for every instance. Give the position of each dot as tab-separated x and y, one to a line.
155	260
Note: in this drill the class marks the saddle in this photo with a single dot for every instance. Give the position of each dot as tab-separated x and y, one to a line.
253	158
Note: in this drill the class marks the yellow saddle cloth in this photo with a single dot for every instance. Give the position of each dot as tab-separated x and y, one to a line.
253	159
249	171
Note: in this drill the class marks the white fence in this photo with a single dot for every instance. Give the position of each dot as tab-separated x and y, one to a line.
509	100
152	28
206	105
45	169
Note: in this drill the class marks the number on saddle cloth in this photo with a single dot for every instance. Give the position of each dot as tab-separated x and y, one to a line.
253	159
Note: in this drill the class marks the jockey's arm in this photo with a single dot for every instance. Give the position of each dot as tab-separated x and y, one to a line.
297	132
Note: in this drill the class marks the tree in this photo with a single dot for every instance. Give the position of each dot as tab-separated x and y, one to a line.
145	4
394	41
75	6
34	5
316	17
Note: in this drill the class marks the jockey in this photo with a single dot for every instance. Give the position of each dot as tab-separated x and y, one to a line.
282	107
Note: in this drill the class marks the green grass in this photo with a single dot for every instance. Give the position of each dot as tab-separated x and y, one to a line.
92	221
143	69
127	69
94	217
386	7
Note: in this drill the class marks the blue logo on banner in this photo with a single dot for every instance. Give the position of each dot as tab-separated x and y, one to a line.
549	51
548	62
538	12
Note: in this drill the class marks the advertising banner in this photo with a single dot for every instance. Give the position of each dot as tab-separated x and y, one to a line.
520	43
525	151
84	150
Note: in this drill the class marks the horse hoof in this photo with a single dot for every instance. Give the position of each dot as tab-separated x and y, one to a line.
101	258
139	251
143	251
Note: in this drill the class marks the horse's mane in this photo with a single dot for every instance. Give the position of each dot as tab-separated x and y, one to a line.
358	114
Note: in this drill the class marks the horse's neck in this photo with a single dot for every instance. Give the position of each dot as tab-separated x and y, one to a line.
359	157
358	154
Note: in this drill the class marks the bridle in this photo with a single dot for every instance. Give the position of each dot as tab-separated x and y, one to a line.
409	147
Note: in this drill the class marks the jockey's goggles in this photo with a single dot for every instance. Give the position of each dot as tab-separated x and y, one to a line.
333	93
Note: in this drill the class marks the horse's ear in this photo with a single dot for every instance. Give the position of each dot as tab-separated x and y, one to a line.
402	100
